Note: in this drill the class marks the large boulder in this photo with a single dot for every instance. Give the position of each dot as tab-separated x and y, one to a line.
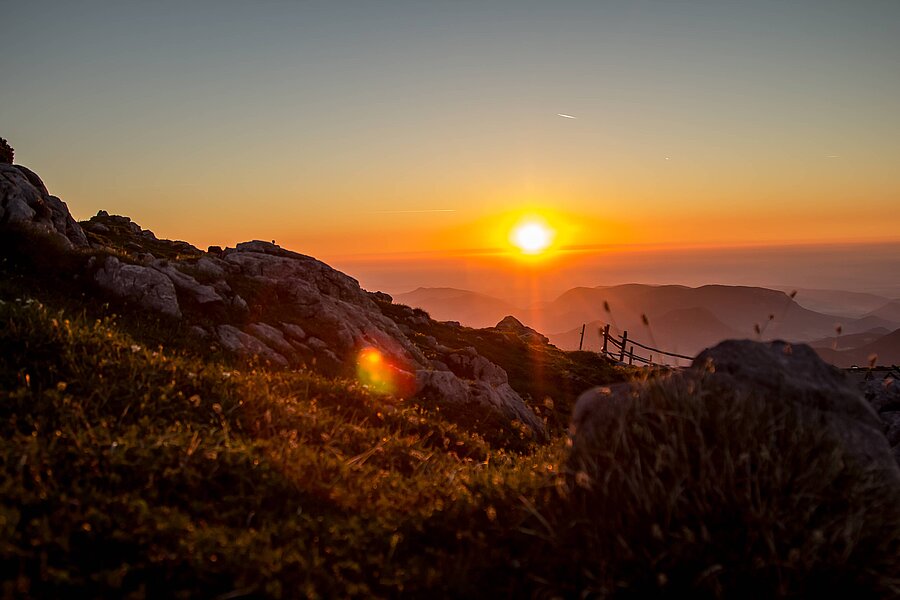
883	394
445	387
187	285
467	363
25	202
144	286
820	392
760	458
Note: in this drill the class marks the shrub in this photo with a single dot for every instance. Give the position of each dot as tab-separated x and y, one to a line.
6	152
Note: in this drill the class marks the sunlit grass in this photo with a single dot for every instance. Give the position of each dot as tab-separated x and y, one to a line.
135	464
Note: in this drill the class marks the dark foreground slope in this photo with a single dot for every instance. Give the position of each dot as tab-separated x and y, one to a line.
142	456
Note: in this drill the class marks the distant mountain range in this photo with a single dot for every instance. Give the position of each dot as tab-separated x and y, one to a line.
685	320
449	304
885	349
839	303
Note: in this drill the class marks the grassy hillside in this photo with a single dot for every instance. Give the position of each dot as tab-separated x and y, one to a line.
136	462
139	461
130	469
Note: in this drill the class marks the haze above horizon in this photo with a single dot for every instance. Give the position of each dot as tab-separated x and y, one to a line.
392	139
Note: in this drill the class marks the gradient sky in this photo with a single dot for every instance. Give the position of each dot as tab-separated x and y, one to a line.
326	125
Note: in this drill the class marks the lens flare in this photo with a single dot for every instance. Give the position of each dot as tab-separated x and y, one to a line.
373	370
378	373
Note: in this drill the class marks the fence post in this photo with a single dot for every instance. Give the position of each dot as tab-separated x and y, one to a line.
624	340
581	341
605	339
631	355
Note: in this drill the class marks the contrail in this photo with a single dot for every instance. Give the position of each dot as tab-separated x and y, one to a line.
426	210
565	116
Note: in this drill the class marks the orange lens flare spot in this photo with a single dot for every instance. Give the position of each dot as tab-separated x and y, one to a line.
376	372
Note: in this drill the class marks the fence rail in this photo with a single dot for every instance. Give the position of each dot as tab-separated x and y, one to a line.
623	348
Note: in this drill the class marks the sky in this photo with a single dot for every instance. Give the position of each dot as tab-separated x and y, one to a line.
401	140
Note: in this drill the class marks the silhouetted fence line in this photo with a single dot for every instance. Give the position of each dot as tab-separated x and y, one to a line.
619	352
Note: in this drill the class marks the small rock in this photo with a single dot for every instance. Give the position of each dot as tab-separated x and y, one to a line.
510	324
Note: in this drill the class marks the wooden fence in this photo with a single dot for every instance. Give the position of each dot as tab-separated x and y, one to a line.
621	349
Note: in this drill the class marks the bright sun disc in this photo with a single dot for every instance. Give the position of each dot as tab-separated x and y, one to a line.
531	237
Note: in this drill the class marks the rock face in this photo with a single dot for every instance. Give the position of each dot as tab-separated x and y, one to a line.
337	310
260	300
145	286
24	201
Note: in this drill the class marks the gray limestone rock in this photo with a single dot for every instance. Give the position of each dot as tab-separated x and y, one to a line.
24	201
145	286
447	387
200	293
244	344
293	332
272	337
210	267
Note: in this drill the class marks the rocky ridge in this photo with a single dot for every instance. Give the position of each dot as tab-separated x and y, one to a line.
258	300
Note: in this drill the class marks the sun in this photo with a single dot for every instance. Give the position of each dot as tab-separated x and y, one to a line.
532	235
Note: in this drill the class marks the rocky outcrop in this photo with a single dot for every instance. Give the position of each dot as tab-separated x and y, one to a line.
491	391
260	300
145	286
511	325
340	319
337	310
199	293
331	318
25	202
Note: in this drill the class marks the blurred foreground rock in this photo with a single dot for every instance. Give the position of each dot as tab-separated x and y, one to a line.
760	454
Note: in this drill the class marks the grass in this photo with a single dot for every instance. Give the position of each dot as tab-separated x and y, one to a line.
132	470
135	462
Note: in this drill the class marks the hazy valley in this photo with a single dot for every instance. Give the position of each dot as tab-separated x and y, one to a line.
846	328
